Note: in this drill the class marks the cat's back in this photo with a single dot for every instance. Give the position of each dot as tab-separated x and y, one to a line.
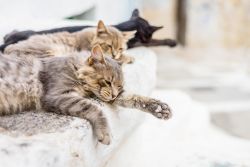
67	64
60	73
46	39
58	64
44	45
55	38
19	84
14	66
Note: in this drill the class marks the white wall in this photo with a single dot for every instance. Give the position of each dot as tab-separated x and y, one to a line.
43	9
115	11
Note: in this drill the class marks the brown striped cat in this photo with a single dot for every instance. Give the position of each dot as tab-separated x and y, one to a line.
65	85
112	41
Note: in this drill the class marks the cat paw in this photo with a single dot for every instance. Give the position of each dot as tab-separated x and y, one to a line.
158	109
103	136
130	60
127	60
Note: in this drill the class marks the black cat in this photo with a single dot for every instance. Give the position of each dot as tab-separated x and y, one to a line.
143	36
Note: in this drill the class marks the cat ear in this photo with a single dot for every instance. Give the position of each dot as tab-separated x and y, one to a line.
128	34
155	28
96	56
101	28
135	14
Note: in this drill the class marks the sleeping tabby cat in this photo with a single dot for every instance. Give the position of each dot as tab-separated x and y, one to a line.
112	41
64	85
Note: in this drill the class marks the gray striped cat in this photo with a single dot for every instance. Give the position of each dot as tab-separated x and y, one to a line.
64	85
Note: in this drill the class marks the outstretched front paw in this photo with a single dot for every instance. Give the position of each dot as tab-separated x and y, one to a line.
158	109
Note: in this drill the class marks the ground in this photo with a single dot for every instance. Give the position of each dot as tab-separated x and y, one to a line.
218	78
210	126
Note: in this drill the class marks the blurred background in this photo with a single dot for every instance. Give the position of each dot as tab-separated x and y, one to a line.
210	65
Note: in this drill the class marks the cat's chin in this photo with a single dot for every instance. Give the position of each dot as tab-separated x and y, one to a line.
107	100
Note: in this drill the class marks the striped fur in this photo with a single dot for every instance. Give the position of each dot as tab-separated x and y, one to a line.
64	85
20	86
112	41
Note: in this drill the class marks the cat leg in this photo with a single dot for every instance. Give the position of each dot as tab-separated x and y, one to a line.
124	59
74	105
155	107
156	42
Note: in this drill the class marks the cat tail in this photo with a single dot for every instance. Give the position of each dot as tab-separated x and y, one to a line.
6	37
2	47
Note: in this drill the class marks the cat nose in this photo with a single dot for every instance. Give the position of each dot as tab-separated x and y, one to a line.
116	55
114	93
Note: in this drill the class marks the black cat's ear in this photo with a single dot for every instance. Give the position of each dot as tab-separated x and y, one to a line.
128	34
155	28
101	28
96	56
135	14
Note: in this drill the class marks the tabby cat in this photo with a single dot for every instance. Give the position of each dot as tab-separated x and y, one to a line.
112	41
64	85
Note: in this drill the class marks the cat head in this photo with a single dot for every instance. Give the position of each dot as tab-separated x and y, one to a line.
144	29
102	75
112	41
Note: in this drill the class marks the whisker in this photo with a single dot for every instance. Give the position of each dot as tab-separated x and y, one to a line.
120	93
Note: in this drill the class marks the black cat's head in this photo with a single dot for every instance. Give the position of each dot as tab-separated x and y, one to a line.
144	29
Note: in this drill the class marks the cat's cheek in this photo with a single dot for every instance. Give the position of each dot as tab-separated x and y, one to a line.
109	52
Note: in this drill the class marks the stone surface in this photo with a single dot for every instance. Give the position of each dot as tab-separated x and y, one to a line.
45	9
187	140
212	127
44	139
219	78
234	123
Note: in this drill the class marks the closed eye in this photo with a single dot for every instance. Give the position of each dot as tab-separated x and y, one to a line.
108	83
120	88
110	46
